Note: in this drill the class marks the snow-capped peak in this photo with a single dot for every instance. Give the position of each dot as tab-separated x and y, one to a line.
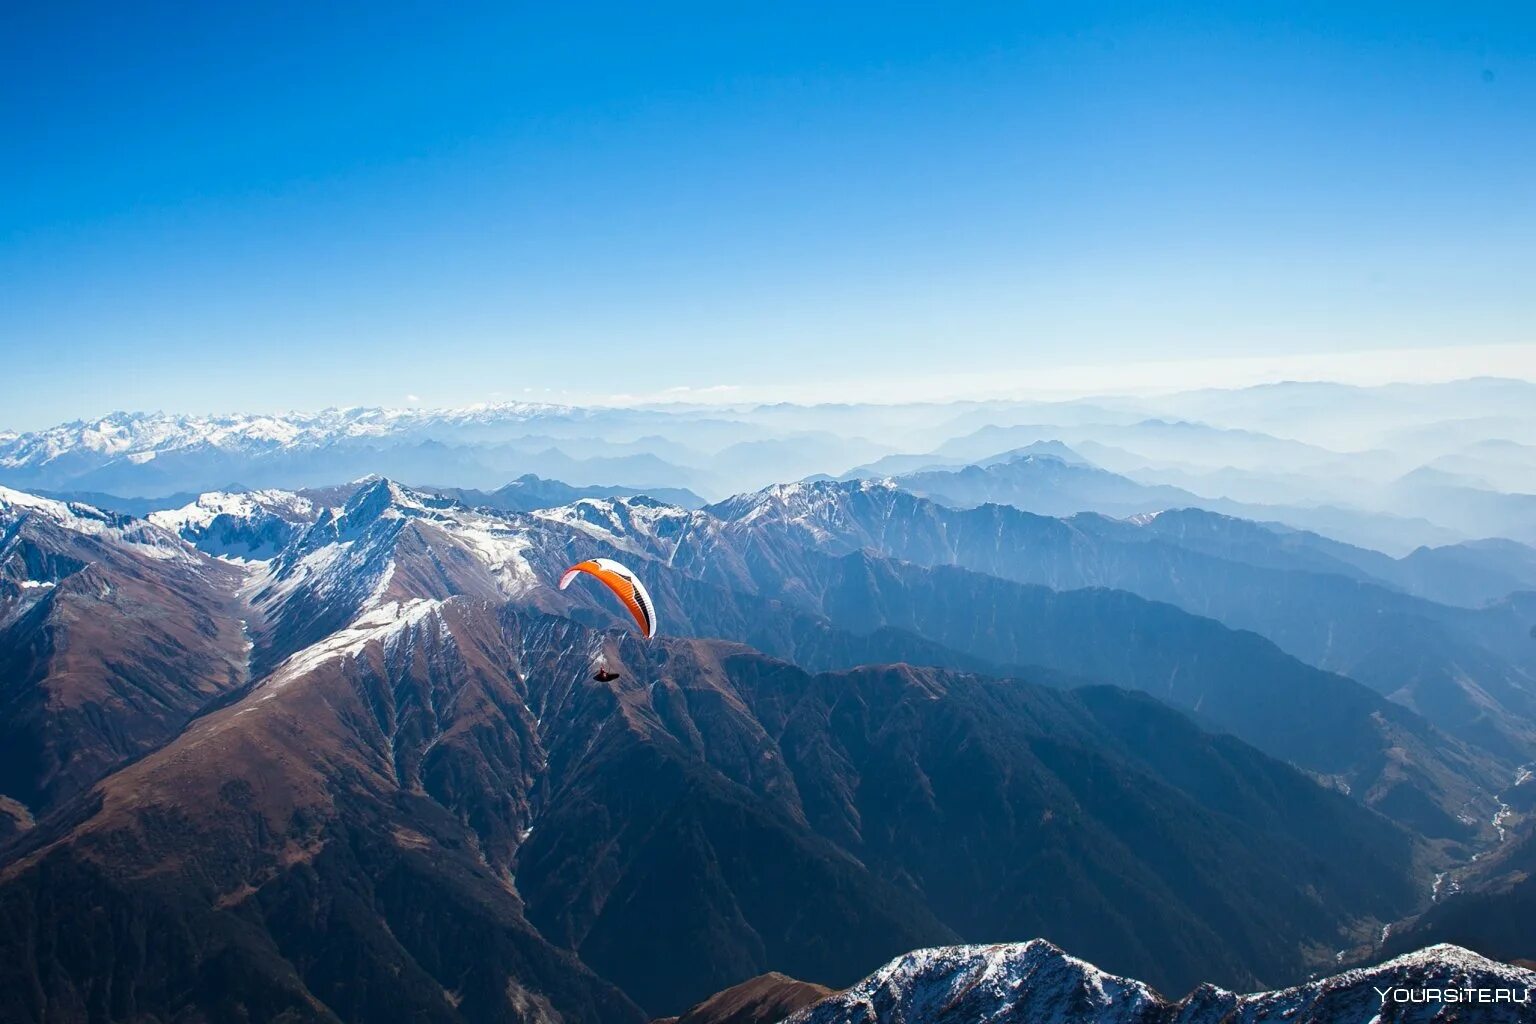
351	559
1033	982
384	497
1036	983
142	537
638	524
245	526
242	505
77	516
803	500
125	434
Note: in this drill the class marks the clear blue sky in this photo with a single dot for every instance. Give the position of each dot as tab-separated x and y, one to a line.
205	208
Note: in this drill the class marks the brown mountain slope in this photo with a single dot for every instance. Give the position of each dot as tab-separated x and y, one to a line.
438	813
426	808
112	637
304	854
765	999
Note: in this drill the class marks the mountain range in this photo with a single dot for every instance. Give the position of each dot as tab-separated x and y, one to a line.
138	454
1036	983
776	568
1470	670
339	754
1056	485
765	570
1391	473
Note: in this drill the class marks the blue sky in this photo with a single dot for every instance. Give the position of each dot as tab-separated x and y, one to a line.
204	208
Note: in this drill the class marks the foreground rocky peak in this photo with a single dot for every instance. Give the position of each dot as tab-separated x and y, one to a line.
1037	983
1032	982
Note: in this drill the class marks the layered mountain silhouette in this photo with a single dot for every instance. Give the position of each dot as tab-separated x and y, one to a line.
404	795
715	568
1472	671
764	571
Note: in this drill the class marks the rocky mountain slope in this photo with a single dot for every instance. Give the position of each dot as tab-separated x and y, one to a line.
764	571
1037	983
419	801
113	636
767	573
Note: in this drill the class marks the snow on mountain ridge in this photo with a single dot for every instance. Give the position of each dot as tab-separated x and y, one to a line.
139	535
346	556
122	434
806	502
637	524
86	518
249	526
243	504
1036	983
300	539
1032	981
382	624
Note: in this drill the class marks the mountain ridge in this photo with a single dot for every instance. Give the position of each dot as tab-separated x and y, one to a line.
419	732
1037	983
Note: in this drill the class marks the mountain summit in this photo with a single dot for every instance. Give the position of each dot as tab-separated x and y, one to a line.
1037	983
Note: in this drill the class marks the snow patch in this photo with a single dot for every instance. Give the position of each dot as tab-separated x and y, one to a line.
138	535
244	505
377	625
502	549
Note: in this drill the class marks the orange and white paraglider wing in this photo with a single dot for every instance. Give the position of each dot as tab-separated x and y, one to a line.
624	584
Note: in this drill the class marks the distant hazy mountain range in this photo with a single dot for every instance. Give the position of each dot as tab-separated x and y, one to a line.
138	455
1048	478
1388	468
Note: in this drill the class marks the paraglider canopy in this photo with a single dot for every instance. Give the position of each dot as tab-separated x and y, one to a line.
624	585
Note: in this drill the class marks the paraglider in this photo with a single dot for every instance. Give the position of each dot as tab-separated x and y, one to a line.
627	587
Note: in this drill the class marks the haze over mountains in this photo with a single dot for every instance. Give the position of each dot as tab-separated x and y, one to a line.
1391	468
280	746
